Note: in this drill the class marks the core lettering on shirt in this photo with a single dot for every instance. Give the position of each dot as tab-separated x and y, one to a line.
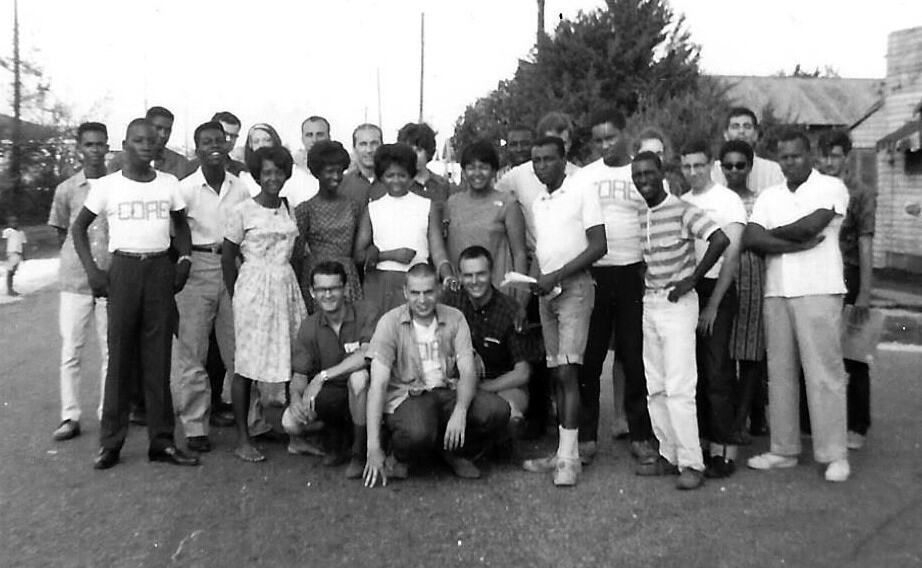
140	210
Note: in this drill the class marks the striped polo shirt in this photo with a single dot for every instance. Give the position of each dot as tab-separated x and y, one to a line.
668	232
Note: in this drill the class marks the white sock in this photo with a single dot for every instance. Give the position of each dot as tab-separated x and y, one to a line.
568	444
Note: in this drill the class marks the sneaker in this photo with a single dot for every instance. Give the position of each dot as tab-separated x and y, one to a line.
689	479
855	440
67	430
587	451
566	472
769	460
838	471
198	444
660	466
643	451
461	467
719	467
541	465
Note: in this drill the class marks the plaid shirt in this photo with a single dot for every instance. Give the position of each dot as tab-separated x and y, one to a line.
493	332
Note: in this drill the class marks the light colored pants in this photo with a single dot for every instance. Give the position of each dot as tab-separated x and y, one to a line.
74	318
672	376
804	333
203	303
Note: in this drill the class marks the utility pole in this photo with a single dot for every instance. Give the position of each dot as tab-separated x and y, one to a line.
378	83
15	154
422	60
540	32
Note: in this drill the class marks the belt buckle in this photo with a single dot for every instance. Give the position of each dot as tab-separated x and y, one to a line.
144	256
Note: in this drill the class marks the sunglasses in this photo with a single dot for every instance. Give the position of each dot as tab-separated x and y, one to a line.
738	166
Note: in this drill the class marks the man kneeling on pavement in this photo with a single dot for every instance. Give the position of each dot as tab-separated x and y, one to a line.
331	370
424	386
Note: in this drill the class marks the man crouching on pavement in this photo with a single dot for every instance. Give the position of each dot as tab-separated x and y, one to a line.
330	350
424	385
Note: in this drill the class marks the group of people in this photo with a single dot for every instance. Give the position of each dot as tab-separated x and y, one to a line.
370	297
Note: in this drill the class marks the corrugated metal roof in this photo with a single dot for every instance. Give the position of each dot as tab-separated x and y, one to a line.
821	101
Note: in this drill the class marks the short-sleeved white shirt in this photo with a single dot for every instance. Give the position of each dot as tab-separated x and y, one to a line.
398	222
138	212
14	240
724	207
561	221
764	174
621	203
522	182
817	271
206	210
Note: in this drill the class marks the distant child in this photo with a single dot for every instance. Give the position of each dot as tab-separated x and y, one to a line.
14	241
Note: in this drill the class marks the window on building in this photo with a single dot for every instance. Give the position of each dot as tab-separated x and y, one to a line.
914	162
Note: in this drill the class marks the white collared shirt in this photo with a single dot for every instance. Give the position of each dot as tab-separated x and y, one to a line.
522	182
816	271
724	207
561	220
206	210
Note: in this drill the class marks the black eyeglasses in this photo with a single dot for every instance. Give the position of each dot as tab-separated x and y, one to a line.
739	166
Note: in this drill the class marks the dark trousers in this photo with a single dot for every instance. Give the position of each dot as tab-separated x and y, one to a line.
140	315
332	404
717	386
858	393
417	426
214	366
618	307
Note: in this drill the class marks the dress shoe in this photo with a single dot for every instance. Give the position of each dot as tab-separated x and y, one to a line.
199	444
222	419
689	479
461	467
719	467
587	451
643	451
105	459
67	430
395	469
661	466
171	455
356	467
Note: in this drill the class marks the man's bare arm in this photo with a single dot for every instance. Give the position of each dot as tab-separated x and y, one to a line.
805	228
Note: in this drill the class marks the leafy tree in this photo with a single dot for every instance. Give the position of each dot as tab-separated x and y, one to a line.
634	54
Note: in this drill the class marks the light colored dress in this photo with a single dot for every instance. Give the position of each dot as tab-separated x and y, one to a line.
480	221
268	307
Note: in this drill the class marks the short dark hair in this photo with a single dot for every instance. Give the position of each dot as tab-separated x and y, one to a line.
315	118
326	153
420	135
210	125
647	156
226	117
696	147
395	154
159	111
519	127
482	150
836	137
278	155
135	122
737	146
329	268
475	251
555	121
422	269
91	127
791	133
367	126
607	115
555	141
741	111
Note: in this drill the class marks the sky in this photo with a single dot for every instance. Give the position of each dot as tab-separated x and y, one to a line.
279	61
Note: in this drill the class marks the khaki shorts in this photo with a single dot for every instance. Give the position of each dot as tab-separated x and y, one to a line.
565	320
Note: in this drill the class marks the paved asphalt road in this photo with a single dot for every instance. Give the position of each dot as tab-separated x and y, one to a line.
55	510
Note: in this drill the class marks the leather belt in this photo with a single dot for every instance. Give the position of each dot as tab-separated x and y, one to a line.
213	249
141	255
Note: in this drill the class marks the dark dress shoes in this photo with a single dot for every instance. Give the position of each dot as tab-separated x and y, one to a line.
105	459
172	455
198	444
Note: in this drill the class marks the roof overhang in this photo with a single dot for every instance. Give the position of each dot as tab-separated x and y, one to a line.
906	137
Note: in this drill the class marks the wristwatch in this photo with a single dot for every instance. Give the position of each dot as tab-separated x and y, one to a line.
324	376
185	257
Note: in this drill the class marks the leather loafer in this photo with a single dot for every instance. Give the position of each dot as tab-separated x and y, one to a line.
172	455
67	430
105	459
199	444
